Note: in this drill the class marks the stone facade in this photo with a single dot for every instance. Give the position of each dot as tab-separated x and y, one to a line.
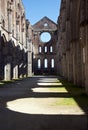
44	52
13	40
72	45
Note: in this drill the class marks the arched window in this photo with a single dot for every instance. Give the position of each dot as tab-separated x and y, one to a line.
51	49
45	49
45	63
40	49
39	63
52	63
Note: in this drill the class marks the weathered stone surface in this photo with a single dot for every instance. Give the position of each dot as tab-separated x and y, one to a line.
44	52
13	40
73	42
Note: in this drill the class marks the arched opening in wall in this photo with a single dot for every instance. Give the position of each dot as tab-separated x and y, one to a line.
52	63
3	53
45	49
39	64
40	49
11	52
45	63
51	49
3	39
45	37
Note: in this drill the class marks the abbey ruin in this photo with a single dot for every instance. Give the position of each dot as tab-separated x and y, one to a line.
23	53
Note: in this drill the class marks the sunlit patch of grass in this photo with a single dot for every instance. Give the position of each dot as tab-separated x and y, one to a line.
76	95
19	79
71	88
5	82
49	84
73	101
58	81
1	83
8	81
58	89
64	102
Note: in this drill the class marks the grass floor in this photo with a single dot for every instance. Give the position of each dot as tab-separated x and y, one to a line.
70	94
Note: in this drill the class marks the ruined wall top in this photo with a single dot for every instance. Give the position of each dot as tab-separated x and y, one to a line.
45	24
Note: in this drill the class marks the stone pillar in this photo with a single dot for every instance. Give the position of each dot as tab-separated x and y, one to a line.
29	58
79	64
21	69
69	66
15	72
74	62
82	42
64	66
17	29
7	68
70	63
9	20
86	59
83	66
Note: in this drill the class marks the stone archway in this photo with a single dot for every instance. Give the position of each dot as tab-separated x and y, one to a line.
3	52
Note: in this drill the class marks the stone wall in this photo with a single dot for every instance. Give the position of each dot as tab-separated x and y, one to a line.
13	40
44	52
73	42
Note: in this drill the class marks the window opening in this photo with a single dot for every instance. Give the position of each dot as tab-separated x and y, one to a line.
52	63
51	49
40	49
39	63
45	37
45	24
45	63
45	49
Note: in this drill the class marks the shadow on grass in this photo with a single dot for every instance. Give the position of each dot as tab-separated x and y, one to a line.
3	82
13	120
77	93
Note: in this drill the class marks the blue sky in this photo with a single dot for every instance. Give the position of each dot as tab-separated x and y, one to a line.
37	9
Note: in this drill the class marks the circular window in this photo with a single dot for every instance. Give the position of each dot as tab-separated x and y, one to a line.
45	24
45	37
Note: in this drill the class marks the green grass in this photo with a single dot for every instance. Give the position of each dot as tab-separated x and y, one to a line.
3	82
72	95
58	89
65	102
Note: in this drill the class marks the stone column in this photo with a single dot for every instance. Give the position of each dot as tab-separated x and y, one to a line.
29	57
17	29
21	70
86	60
74	62
79	64
15	71
9	21
82	42
69	65
7	69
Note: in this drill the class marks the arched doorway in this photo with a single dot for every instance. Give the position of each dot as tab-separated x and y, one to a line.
3	52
